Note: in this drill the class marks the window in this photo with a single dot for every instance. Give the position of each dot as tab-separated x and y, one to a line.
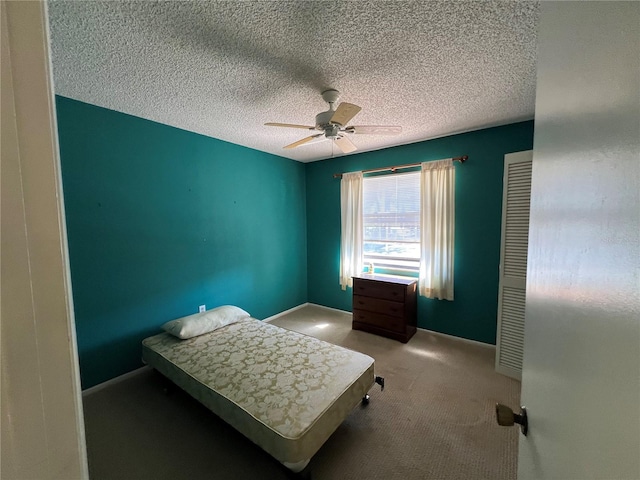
391	217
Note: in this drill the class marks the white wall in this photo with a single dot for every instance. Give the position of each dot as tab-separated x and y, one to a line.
42	431
581	377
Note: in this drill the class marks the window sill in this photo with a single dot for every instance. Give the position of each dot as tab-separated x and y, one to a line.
395	272
388	277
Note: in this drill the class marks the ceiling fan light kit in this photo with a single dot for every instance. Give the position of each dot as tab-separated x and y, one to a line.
332	124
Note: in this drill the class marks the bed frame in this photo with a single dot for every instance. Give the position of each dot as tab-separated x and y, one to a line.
285	391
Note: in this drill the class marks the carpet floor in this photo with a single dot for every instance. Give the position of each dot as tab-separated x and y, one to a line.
434	420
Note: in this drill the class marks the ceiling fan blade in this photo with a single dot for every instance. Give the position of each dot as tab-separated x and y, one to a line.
345	145
344	113
290	125
375	129
303	141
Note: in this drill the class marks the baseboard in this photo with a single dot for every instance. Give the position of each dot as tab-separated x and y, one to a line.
113	381
461	339
452	337
273	317
330	308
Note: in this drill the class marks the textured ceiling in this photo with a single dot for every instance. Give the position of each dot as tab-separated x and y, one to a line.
223	69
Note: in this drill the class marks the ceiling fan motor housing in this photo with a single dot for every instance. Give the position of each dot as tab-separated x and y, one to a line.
323	119
331	131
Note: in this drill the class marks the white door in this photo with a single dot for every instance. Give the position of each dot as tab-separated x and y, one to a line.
581	374
513	263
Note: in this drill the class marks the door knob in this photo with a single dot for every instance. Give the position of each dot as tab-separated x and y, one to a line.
505	417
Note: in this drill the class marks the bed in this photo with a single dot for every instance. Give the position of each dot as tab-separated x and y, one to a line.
285	391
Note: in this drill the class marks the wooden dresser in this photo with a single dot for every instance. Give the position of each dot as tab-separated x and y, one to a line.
385	305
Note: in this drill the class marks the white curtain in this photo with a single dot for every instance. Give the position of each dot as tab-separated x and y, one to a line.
352	230
437	218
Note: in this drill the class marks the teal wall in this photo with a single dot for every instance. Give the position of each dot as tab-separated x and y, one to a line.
473	313
161	220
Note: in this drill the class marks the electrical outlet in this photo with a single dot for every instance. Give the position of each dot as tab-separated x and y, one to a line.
202	308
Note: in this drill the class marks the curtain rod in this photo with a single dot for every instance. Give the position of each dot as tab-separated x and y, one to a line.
461	159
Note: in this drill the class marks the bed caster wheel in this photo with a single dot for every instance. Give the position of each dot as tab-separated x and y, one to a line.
365	399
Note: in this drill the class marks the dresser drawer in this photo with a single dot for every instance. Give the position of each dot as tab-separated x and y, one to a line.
364	318
385	307
388	291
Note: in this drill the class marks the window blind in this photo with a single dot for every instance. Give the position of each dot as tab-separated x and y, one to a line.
391	217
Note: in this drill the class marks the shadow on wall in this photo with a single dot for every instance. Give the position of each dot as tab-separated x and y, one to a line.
161	220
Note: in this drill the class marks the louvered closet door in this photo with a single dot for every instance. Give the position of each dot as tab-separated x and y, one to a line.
513	263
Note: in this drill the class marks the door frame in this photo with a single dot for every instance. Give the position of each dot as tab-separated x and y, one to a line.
42	432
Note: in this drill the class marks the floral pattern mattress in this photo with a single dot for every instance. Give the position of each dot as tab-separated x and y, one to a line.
285	391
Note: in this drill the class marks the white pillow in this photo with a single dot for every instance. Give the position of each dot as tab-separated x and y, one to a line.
205	322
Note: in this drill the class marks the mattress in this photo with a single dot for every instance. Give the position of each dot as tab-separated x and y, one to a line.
285	391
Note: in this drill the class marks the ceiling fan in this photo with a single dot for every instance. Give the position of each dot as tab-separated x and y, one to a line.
332	124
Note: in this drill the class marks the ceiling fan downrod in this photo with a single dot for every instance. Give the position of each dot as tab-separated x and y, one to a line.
323	119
